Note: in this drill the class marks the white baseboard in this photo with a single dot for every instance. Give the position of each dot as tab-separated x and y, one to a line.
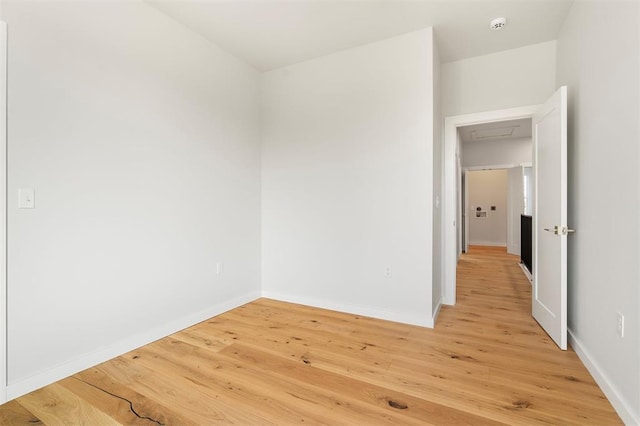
83	362
622	406
412	319
488	243
526	273
436	311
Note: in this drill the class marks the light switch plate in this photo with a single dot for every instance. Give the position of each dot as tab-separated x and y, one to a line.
26	198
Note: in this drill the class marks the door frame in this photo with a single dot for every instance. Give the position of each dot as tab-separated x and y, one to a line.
451	220
515	207
465	213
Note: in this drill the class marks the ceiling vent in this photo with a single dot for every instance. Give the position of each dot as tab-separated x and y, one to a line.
500	132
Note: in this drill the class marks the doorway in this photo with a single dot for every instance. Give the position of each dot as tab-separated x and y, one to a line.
452	214
500	151
485	207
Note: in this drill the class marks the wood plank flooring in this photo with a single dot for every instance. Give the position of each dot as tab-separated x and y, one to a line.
486	362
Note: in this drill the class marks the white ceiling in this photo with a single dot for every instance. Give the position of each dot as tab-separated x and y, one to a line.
270	34
512	129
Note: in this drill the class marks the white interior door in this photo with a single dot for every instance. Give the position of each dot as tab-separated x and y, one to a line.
549	295
515	207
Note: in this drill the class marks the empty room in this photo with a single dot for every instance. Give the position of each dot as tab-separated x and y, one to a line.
271	212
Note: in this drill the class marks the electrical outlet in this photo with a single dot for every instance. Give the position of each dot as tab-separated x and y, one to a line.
387	272
26	198
219	268
620	325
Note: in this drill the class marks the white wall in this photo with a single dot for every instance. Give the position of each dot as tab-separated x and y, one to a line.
497	152
3	207
141	141
488	188
598	59
347	177
512	78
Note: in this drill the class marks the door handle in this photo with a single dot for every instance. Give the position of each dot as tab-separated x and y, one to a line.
560	230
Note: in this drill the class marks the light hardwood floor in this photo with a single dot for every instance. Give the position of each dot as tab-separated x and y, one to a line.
486	362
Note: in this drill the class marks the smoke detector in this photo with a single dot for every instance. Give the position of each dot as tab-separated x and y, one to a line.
498	23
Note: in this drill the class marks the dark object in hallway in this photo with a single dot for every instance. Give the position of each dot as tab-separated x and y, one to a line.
526	236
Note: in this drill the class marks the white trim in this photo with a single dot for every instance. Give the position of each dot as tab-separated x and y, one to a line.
85	361
622	407
489	243
465	216
402	317
3	212
526	272
495	167
436	312
462	197
449	232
